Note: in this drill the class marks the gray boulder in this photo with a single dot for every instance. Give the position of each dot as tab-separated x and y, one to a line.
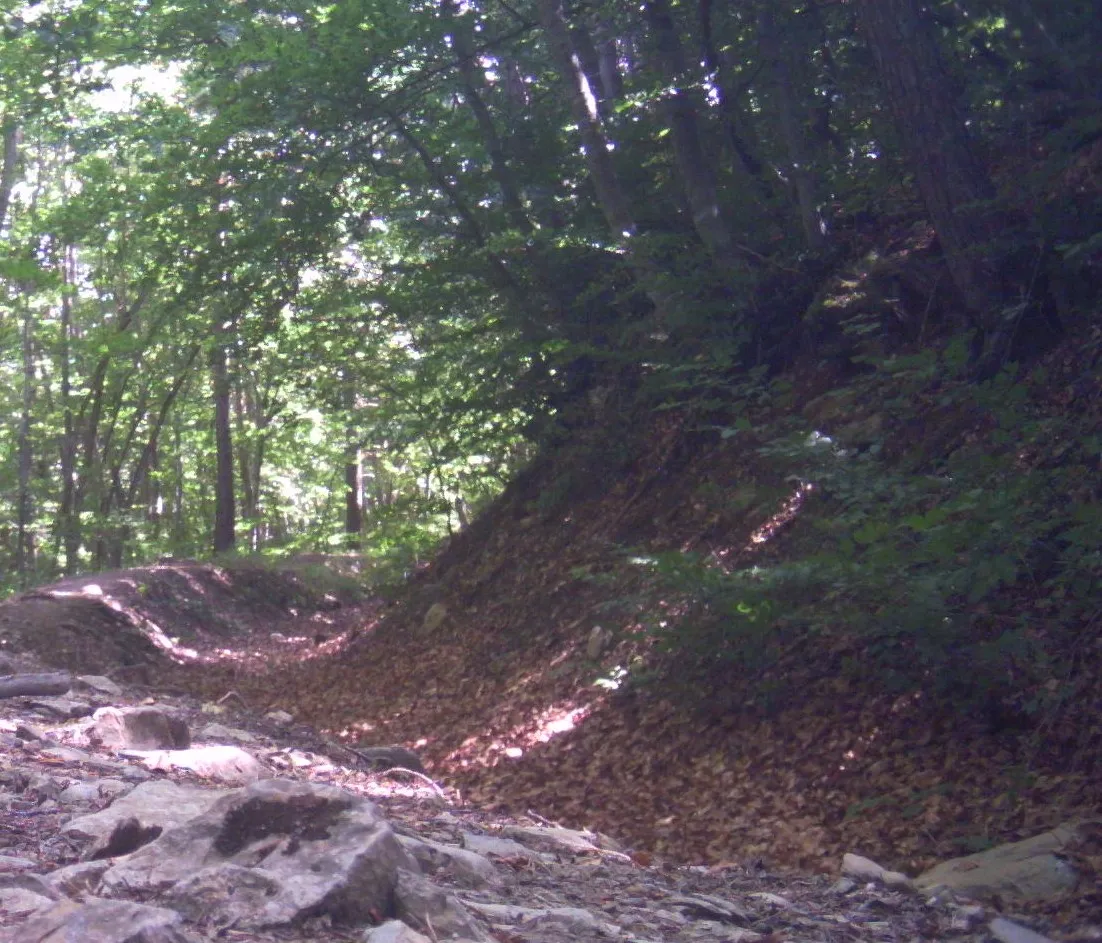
271	854
100	921
1033	869
159	804
137	728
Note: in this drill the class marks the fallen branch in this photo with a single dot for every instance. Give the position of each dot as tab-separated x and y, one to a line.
233	695
18	685
421	776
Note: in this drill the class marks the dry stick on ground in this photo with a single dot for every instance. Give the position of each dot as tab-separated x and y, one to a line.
421	776
235	696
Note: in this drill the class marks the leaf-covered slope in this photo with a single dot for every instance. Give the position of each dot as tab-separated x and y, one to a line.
796	752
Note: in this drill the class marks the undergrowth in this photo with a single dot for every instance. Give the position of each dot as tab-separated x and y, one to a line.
966	565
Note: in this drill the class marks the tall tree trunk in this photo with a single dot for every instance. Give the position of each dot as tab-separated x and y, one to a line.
24	549
799	170
10	133
495	146
249	499
610	195
745	163
224	513
953	183
697	178
608	61
353	509
68	519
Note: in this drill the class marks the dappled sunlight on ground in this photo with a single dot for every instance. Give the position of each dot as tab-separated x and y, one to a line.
539	728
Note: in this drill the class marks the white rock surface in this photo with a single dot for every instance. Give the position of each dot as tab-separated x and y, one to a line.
1027	870
225	764
159	803
100	921
394	931
271	854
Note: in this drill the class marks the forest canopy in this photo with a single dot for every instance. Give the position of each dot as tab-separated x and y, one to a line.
327	275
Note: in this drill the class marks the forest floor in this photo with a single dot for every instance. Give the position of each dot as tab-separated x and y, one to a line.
509	713
516	664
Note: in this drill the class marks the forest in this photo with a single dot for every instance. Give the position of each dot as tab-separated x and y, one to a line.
702	397
329	277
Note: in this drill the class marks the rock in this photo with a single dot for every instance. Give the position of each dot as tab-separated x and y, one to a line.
843	886
711	907
1027	870
24	893
100	921
93	790
421	903
270	854
554	840
383	758
87	760
29	732
466	868
160	803
572	920
226	734
66	754
97	684
18	901
137	728
78	880
280	718
63	707
10	863
863	869
226	764
492	845
434	618
1006	931
394	931
597	643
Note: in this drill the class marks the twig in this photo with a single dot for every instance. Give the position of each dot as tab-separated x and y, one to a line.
421	776
235	696
541	820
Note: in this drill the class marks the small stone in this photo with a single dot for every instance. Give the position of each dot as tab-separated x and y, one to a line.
226	734
394	931
80	792
97	684
280	718
138	728
9	863
843	886
1006	931
598	642
63	707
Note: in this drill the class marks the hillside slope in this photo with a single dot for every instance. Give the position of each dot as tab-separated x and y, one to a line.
526	660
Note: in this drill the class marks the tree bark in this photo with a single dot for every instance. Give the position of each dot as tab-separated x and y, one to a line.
68	520
224	512
697	179
799	169
610	195
24	550
951	180
11	134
